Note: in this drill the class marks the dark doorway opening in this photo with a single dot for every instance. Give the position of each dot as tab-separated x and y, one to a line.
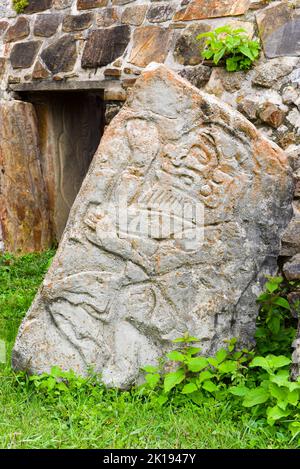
70	125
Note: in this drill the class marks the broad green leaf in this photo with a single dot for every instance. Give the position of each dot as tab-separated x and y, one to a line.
278	392
229	366
218	55
283	404
292	385
189	388
256	396
273	283
204	376
239	390
270	362
223	29
231	344
239	30
51	382
281	378
209	386
274	324
207	54
197	397
193	350
56	371
246	51
293	397
275	362
186	338
62	386
212	361
221	355
260	362
207	34
231	64
176	356
277	279
150	369
162	399
152	379
263	297
178	340
271	286
191	339
275	413
172	379
294	428
197	364
282	302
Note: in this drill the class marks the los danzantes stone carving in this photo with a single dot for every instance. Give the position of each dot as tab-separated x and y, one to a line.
177	222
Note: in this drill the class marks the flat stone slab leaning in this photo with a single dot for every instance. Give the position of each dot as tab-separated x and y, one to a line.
176	224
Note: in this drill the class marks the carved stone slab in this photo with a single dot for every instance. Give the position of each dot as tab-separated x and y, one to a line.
24	216
178	219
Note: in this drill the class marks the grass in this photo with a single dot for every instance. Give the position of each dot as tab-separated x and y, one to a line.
93	417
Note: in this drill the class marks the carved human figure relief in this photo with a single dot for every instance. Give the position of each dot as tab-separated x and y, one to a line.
178	219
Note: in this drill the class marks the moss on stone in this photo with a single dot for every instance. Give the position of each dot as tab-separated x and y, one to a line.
20	5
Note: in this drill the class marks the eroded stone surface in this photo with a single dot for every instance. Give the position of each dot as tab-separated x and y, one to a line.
107	17
24	216
18	31
199	9
291	269
104	46
291	237
150	43
77	22
134	15
197	75
188	49
2	66
269	73
87	4
3	26
272	115
61	55
38	5
296	353
46	24
116	294
24	53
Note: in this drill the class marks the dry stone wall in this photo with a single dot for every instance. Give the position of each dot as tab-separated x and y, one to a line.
111	41
77	40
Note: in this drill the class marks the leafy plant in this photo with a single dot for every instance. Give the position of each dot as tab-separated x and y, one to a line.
232	45
59	383
196	376
275	396
276	327
258	379
20	5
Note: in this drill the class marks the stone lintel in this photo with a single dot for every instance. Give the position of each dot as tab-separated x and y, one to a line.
107	86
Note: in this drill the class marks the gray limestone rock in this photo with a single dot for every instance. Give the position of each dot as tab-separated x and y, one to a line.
176	224
296	355
291	269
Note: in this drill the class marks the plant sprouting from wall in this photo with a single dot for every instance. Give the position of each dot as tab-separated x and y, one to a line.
20	5
232	45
